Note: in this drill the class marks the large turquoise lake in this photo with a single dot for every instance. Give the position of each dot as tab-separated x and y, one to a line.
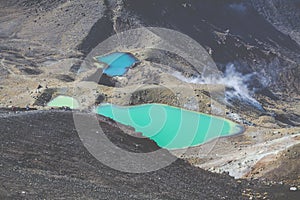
171	127
118	63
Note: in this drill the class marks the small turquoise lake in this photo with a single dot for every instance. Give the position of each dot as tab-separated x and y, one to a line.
61	101
171	127
118	63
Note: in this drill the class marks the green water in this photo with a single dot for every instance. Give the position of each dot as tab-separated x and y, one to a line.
61	101
171	127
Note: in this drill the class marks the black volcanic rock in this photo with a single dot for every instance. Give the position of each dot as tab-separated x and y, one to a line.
283	14
45	97
101	78
100	99
65	78
30	71
100	31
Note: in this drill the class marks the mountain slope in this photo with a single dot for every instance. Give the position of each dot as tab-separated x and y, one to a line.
43	157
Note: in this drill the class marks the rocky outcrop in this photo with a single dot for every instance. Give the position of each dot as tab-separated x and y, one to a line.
154	94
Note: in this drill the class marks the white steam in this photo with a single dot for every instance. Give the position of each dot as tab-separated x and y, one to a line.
236	83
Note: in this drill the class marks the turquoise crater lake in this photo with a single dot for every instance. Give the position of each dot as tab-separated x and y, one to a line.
171	127
61	101
118	63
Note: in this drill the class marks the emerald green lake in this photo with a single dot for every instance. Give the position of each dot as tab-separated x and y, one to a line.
171	127
61	101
